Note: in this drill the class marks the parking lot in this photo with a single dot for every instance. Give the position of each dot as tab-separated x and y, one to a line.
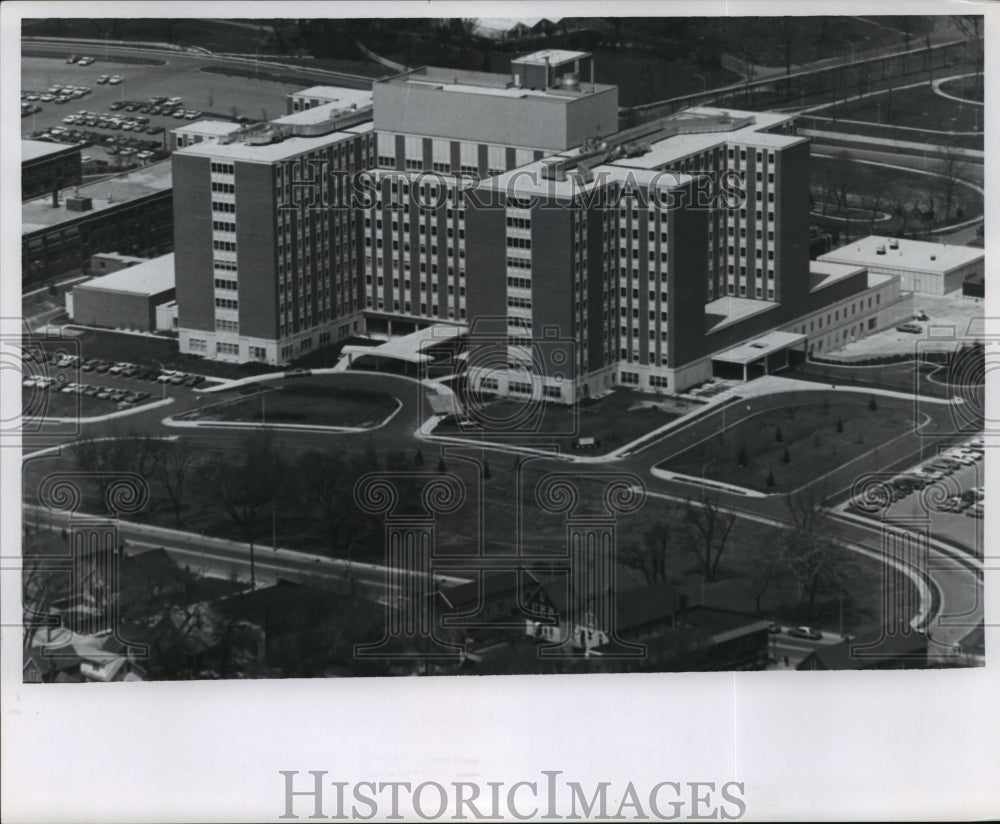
954	507
67	386
210	94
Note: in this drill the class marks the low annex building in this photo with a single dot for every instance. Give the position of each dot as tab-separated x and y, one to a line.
126	299
922	267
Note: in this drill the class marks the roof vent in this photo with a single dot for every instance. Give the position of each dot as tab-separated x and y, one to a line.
880	250
76	203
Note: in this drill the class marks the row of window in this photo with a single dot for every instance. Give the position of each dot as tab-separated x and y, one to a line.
224	188
224	245
223	206
222	283
519	283
519	303
223	168
226	325
226	303
223	226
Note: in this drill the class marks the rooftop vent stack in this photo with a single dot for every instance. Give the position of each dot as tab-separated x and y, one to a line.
880	250
55	198
893	244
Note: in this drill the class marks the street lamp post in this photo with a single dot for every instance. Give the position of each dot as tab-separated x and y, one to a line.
163	383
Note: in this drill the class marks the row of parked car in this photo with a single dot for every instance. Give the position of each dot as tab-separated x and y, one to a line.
163	106
115	144
124	369
123	397
945	464
108	120
55	94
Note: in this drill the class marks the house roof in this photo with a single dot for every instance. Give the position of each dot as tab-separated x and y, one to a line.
285	607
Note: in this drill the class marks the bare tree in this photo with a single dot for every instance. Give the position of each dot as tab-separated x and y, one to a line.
969	26
873	203
712	524
953	168
324	487
173	470
651	557
769	567
246	489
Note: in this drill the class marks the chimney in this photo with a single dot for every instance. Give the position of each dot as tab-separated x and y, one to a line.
55	198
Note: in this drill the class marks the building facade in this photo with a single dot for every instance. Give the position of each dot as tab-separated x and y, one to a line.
511	207
267	267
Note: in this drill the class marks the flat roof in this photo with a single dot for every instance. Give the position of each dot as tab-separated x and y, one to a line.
335	94
208	127
462	81
266	153
528	180
678	146
759	347
325	111
150	278
37	149
913	255
410	347
823	273
104	194
727	310
555	57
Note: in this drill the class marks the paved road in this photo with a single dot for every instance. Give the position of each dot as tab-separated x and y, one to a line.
954	575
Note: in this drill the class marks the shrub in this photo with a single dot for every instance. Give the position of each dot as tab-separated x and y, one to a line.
785	456
770	478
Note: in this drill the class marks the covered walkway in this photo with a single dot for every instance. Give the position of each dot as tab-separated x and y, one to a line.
764	355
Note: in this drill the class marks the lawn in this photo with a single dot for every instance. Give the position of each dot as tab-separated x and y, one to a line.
304	401
815	438
915	108
614	420
970	88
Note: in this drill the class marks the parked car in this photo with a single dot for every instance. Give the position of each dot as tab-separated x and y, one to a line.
103	79
911	328
85	61
116	79
805	632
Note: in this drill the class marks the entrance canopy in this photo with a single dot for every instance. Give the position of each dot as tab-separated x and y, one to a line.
758	356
